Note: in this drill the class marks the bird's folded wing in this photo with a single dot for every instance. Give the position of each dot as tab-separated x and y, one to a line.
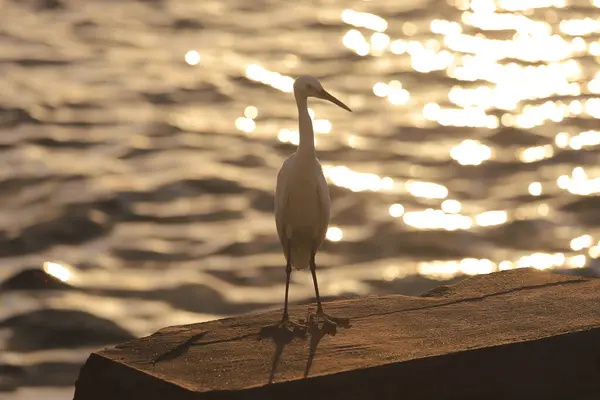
324	203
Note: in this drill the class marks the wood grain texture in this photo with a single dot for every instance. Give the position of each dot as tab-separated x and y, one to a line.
513	334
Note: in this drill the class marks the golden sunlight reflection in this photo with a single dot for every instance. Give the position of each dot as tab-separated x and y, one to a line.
397	94
592	107
471	152
535	188
522	5
579	183
579	141
541	260
505	265
447	269
446	28
501	97
491	218
57	270
274	79
495	22
290	136
533	116
426	60
580	27
394	272
357	181
398	46
450	269
354	40
581	242
245	124
364	20
320	126
451	206
532	154
396	210
577	261
251	112
393	91
428	190
409	29
488	51
595	251
334	234
192	57
431	219
594	84
471	116
379	43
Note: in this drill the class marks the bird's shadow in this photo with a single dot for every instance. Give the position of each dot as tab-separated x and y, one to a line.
282	336
317	333
179	350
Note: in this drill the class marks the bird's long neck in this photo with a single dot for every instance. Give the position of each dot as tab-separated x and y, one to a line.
307	135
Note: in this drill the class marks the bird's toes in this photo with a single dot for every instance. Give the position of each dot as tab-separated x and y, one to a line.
330	320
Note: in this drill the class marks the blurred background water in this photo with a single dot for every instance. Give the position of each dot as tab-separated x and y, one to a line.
140	141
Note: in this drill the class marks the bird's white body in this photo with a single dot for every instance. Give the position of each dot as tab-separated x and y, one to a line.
302	197
301	207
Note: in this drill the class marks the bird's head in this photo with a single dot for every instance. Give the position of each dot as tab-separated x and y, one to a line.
309	86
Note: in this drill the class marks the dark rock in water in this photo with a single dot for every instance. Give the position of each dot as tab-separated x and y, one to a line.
208	93
50	374
196	298
42	374
204	299
531	235
10	117
50	4
10	377
413	285
514	136
71	225
245	248
44	5
585	209
263	201
587	272
353	213
188	188
388	241
187	23
248	161
33	279
48	329
145	254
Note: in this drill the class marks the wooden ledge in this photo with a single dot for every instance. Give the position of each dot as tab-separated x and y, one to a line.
520	334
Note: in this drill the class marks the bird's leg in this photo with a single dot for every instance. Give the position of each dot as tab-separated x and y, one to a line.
328	319
288	273
285	319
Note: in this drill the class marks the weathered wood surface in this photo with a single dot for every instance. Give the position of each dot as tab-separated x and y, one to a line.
521	334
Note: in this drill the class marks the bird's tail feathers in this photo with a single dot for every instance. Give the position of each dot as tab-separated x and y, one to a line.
301	255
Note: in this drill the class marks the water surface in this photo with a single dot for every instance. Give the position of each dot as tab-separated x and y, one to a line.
139	144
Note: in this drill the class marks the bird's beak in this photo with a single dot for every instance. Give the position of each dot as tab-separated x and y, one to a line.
326	96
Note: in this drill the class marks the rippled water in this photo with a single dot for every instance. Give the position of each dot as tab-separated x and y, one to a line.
139	144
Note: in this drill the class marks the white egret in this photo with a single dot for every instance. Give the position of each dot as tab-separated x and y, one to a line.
302	198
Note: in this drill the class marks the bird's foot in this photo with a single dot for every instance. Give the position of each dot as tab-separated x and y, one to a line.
329	322
283	326
292	326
